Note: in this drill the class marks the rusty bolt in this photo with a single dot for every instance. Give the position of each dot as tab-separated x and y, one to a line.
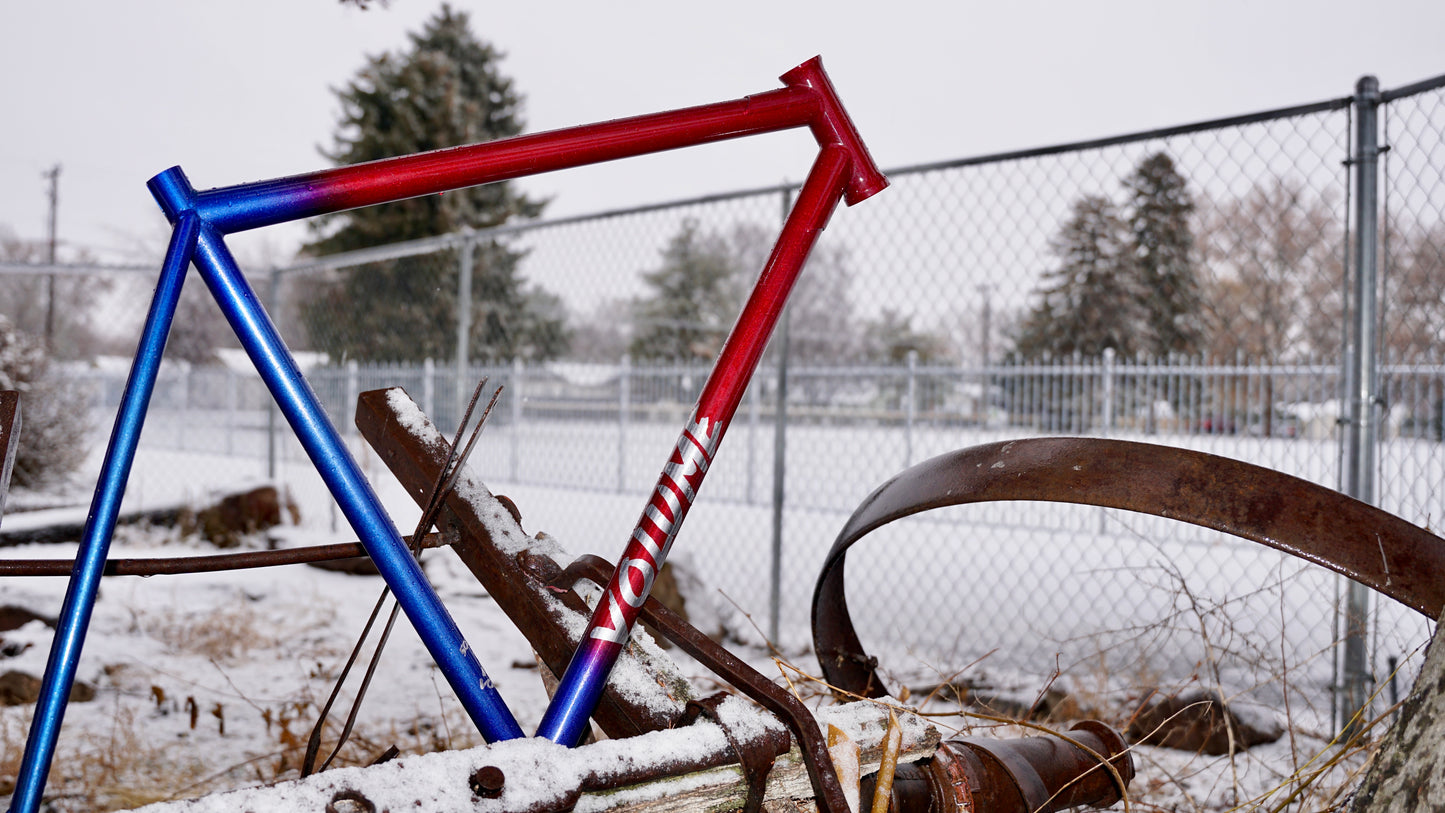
487	781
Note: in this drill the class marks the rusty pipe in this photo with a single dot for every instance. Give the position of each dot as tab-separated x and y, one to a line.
1025	775
206	563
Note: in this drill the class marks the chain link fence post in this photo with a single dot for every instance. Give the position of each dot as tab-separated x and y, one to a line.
780	444
624	412
518	374
910	407
1360	373
465	253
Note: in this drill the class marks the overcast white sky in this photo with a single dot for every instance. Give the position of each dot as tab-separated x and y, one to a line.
118	91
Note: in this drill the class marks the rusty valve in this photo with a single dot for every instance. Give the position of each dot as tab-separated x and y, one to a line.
1027	775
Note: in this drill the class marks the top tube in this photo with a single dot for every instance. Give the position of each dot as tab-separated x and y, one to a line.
807	99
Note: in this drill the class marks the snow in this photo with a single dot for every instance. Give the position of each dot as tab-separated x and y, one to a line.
254	652
408	414
537	772
540	774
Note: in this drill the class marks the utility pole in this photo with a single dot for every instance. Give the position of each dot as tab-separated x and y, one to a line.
53	174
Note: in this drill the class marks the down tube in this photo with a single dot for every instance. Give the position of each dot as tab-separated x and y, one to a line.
80	594
581	685
353	493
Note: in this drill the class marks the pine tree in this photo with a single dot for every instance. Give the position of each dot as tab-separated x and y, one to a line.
444	90
822	325
891	337
695	296
1093	299
1163	255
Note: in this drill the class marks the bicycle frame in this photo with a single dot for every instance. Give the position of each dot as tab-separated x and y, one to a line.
843	171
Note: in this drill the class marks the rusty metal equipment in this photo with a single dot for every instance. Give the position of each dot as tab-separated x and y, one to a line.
1028	775
210	563
545	592
523	574
1317	524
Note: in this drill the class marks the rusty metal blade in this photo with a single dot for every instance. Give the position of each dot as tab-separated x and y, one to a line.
1320	525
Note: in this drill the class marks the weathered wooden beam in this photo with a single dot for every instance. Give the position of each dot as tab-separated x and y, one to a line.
682	769
490	538
788	788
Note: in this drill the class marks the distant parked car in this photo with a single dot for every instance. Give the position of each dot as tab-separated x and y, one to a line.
1216	425
1282	424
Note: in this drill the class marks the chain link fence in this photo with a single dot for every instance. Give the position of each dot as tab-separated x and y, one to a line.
904	342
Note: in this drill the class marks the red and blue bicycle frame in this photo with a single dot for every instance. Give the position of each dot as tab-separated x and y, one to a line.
843	170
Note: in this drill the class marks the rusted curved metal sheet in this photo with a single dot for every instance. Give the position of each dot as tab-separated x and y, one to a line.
1375	548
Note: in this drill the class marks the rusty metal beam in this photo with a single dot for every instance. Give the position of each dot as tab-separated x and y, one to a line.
415	454
9	441
1371	546
210	563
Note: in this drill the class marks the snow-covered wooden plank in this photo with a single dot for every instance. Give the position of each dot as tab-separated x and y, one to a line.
645	690
541	775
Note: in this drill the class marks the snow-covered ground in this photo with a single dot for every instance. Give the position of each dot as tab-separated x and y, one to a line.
212	681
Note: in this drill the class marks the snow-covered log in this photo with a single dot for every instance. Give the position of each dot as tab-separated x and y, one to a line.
540	775
1408	772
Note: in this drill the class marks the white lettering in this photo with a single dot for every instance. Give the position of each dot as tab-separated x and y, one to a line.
645	539
624	580
659	519
692	462
674	501
698	429
617	633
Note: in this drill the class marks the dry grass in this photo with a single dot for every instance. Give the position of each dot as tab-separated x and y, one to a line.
223	634
1307	771
125	768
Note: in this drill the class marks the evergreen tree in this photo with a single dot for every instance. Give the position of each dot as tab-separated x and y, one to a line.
1163	255
699	289
695	297
890	340
1093	299
821	322
891	337
444	90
